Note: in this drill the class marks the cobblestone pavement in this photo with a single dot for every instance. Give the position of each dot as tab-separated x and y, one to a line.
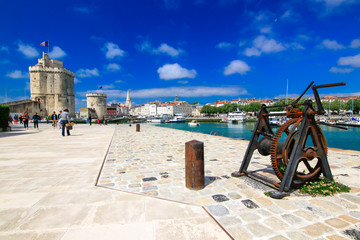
152	162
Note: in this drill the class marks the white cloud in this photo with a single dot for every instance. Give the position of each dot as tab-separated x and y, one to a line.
18	74
263	45
27	50
196	91
353	61
252	52
86	73
113	67
166	49
225	45
175	71
57	52
236	66
340	70
355	43
112	50
119	81
287	14
331	44
162	49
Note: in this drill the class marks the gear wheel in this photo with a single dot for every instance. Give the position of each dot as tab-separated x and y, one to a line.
280	153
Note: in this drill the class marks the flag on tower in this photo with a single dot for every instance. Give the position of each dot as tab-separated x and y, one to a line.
45	44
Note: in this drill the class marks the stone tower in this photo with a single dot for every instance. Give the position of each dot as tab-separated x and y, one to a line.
97	101
53	85
128	100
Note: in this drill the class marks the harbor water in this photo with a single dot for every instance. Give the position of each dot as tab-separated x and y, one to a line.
336	138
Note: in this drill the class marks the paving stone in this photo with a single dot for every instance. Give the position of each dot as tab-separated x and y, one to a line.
218	210
336	223
148	188
354	233
249	217
297	236
249	204
351	198
258	229
134	185
349	219
275	223
316	229
291	219
220	198
336	237
233	195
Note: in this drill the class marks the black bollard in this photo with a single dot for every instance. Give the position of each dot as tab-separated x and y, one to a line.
138	127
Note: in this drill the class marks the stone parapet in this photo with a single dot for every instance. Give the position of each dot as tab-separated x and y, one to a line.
39	68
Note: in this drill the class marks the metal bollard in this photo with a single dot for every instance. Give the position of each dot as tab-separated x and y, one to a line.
138	127
194	165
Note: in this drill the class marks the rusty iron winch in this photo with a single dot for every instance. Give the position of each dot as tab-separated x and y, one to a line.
298	150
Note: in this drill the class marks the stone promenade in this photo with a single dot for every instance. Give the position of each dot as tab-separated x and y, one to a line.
151	163
48	192
50	189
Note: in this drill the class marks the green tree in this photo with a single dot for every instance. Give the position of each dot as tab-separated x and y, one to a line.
335	106
355	107
194	103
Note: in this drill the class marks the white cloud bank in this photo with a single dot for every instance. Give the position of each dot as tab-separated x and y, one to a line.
17	74
261	44
57	52
86	73
175	71
236	66
27	50
196	91
353	61
112	50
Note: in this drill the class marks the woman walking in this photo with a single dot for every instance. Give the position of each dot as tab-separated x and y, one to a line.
65	118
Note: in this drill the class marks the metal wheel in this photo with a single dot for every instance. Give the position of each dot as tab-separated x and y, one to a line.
309	167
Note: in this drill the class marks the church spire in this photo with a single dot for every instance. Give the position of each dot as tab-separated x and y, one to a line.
128	100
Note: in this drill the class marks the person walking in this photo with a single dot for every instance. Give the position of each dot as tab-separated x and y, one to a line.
25	118
54	118
36	119
90	119
20	119
64	119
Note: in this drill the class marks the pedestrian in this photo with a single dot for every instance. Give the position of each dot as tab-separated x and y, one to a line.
20	119
36	119
16	119
10	120
90	119
59	115
64	119
54	118
25	118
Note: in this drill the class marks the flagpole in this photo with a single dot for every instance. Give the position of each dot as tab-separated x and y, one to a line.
48	46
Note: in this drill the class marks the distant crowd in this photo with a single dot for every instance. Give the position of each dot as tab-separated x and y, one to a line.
61	120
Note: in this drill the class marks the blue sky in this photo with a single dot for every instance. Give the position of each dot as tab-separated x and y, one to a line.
198	50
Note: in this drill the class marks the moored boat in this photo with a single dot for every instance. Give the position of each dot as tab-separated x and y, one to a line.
193	123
